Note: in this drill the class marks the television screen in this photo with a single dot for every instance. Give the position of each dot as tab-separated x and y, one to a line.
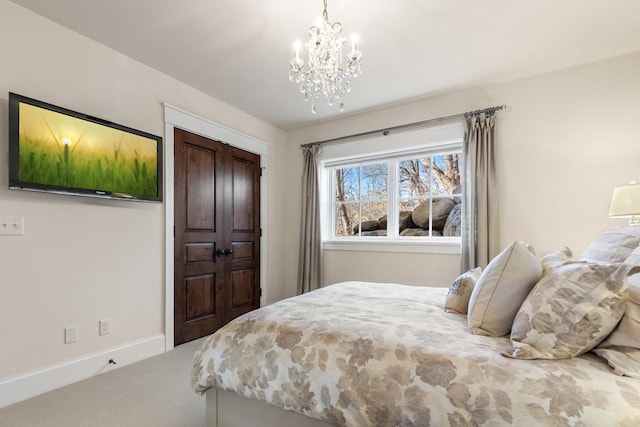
57	150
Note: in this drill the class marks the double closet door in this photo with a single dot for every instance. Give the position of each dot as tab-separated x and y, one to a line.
217	235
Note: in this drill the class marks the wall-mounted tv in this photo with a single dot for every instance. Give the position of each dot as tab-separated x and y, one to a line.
53	149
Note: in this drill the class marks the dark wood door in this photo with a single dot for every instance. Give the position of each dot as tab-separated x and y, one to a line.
244	233
217	255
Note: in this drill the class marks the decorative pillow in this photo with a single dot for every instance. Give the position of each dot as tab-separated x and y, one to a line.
613	245
555	259
624	360
633	261
457	300
501	288
569	311
622	348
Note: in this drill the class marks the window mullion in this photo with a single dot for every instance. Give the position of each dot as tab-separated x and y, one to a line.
392	199
360	201
331	220
431	196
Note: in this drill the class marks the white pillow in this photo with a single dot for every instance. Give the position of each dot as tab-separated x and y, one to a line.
502	287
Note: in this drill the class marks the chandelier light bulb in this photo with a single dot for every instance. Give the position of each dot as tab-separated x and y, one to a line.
326	73
296	49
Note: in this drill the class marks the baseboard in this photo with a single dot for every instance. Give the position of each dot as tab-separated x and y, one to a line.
21	387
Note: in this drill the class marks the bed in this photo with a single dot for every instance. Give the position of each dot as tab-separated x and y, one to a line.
526	341
377	354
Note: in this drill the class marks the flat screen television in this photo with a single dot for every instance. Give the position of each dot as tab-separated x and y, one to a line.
53	149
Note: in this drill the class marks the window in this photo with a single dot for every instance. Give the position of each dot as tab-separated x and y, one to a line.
397	197
371	187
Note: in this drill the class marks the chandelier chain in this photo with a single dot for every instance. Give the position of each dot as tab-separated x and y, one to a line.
325	14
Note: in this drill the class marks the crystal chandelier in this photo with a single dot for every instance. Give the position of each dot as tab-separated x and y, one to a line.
326	73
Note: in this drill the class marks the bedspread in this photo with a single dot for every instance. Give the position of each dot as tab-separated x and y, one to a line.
372	354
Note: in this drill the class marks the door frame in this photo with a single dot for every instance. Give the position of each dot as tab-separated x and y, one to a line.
175	117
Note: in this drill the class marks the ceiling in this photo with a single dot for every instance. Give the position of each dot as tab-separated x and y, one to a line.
238	51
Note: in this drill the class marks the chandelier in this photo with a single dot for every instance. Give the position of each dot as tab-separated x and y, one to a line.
326	72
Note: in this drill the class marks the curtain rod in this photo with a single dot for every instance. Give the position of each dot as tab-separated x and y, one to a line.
386	131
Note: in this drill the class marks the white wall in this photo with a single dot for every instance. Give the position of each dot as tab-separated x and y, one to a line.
564	141
80	259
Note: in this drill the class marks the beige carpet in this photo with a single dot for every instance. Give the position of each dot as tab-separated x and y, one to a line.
154	392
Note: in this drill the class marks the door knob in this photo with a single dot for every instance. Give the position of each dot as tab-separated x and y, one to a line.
220	252
229	252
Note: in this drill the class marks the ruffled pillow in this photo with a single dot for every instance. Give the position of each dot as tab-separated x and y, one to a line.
570	310
457	300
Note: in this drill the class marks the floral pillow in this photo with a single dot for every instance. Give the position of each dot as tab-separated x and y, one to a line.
571	309
501	288
555	259
457	300
621	349
613	245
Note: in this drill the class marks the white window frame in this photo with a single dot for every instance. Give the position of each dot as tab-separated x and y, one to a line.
443	139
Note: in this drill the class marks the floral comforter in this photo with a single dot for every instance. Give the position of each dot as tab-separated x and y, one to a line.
372	354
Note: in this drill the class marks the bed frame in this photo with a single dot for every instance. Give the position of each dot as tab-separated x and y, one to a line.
227	409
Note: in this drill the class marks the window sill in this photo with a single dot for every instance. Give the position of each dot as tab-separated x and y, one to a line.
447	246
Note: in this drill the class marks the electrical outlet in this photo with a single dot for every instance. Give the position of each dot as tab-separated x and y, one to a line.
70	334
13	225
104	326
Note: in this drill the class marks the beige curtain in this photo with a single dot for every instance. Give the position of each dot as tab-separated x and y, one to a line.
480	209
310	265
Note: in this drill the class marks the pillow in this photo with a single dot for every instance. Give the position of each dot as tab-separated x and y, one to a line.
501	288
457	300
633	261
569	311
621	349
555	259
613	245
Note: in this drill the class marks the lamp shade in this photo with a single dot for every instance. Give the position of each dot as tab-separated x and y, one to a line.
625	201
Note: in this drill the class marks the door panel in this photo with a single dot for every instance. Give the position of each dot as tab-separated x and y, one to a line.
242	250
200	188
217	235
200	252
242	288
245	233
243	200
199	274
200	298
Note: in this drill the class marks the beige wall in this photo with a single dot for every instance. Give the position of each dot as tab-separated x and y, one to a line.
81	259
564	141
